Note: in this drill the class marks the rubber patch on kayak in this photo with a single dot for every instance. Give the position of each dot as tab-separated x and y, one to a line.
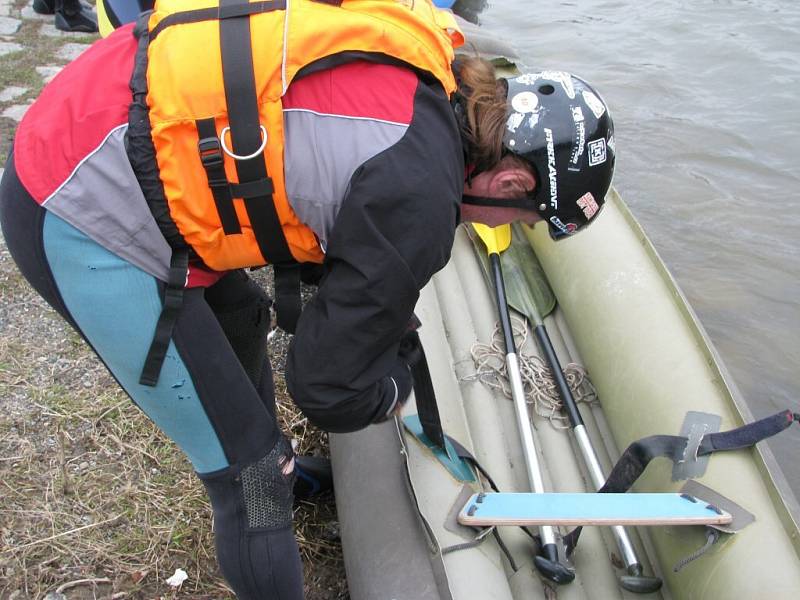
457	467
695	426
741	517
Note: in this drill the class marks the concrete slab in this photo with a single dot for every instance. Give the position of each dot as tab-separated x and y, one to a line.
9	47
16	111
5	8
48	72
11	92
70	51
9	26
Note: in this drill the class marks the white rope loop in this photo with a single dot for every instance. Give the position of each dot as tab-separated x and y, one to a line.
540	388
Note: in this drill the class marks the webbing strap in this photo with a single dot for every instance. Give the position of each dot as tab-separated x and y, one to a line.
211	158
425	397
287	296
245	128
173	300
229	11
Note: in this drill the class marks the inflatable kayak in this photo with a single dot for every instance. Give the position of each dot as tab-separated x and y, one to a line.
615	311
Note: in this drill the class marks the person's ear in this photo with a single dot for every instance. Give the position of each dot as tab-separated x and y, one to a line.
511	182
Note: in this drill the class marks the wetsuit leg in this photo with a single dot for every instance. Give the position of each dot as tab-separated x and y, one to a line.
205	400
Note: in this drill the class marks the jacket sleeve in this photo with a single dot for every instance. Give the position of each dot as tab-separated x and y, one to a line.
393	232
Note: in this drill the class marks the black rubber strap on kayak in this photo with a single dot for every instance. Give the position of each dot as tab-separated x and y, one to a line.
425	397
638	455
173	300
245	128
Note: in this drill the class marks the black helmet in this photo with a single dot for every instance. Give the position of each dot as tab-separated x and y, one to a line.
561	127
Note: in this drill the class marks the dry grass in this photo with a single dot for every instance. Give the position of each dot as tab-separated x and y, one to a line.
97	503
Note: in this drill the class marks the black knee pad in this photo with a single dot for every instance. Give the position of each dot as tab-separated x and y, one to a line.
256	548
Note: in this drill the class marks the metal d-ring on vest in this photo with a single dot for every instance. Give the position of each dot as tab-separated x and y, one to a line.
237	156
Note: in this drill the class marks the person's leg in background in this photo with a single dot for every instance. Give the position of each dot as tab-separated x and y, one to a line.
204	400
70	15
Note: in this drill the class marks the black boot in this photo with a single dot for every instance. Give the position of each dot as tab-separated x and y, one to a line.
48	7
72	15
44	7
314	477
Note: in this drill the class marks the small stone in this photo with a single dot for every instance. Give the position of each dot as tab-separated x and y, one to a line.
11	92
9	26
16	112
83	466
71	51
9	47
48	72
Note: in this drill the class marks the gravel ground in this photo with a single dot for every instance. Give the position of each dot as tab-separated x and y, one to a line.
96	503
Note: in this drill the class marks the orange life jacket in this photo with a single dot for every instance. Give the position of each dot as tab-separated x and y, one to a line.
216	73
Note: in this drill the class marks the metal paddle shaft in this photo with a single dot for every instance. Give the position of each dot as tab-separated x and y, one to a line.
547	564
634	581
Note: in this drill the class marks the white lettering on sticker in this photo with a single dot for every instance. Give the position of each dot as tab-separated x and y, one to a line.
580	143
551	168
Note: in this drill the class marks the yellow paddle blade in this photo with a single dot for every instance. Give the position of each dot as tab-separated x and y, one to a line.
496	239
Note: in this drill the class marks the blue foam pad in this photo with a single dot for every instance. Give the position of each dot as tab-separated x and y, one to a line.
589	509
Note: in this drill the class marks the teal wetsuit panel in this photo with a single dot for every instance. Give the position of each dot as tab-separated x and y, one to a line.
117	305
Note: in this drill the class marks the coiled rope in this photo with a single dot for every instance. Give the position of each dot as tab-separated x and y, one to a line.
540	389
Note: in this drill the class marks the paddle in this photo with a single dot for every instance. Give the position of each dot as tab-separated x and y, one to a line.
522	296
496	240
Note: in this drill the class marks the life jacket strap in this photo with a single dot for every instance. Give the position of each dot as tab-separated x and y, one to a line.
211	158
287	296
231	10
246	137
173	301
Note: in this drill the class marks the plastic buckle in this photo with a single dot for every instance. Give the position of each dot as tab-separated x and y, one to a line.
210	152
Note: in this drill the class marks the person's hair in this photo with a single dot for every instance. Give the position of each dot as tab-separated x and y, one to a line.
485	108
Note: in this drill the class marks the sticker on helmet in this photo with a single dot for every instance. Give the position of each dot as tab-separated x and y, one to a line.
594	103
551	168
597	152
565	229
612	145
565	79
577	114
525	102
514	120
588	205
579	143
528	78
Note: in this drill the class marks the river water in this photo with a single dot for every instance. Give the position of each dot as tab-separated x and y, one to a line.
704	95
